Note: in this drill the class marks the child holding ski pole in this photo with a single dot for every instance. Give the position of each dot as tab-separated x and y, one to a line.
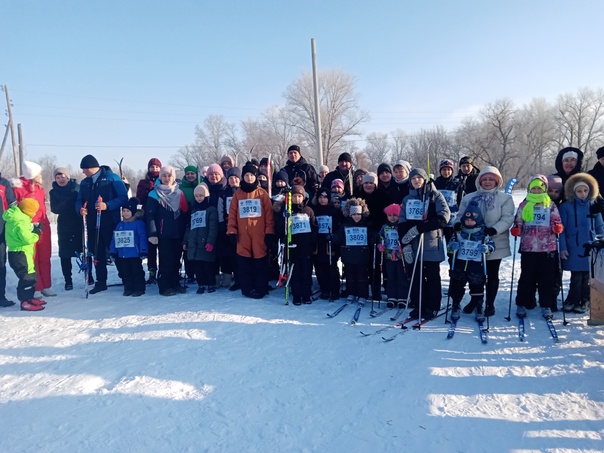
537	223
581	227
397	285
469	245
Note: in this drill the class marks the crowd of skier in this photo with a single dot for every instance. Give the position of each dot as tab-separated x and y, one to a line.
241	228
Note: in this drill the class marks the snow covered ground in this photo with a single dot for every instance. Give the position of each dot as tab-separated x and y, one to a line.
220	373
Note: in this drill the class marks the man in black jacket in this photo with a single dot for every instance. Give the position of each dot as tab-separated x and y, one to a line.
297	167
344	172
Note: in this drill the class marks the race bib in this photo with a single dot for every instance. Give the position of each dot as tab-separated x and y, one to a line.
450	197
123	239
324	222
469	250
356	235
300	223
250	208
415	209
391	241
541	217
198	219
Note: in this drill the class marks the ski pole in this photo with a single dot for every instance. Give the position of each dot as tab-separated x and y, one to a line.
411	283
449	290
486	278
509	318
98	229
421	278
561	274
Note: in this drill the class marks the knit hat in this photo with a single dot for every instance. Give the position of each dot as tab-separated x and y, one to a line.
30	170
192	168
264	161
202	189
418	172
337	183
249	168
298	189
579	184
293	148
359	171
234	171
132	205
215	168
554	182
226	158
570	154
323	192
446	163
155	161
346	157
254	162
323	168
29	206
384	167
370	177
466	160
600	152
472	212
403	163
89	161
489	169
61	171
393	209
538	181
168	169
281	176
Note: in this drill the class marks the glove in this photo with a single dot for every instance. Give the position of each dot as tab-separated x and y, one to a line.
457	227
490	231
484	249
597	207
269	240
515	231
409	236
233	239
564	254
453	246
286	213
143	256
408	254
558	228
381	248
38	228
209	247
154	240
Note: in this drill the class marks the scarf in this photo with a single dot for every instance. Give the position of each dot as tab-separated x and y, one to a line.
169	198
532	199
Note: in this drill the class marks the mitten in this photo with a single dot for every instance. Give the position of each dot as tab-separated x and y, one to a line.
381	248
515	231
209	247
490	231
409	236
408	254
37	228
457	227
453	246
154	240
484	249
558	228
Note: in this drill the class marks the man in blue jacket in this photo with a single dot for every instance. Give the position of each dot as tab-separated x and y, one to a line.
100	182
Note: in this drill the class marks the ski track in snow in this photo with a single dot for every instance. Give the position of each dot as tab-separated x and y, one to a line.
220	373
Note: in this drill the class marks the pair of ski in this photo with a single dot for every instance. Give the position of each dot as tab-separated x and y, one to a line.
550	326
484	338
355	317
402	326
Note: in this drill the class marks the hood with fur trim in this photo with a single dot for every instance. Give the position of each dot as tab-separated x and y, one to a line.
569	193
489	169
355	202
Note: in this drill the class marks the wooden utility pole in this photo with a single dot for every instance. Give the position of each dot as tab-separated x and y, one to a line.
20	132
12	133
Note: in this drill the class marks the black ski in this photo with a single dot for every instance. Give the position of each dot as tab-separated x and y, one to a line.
399	325
339	310
375	314
397	314
357	313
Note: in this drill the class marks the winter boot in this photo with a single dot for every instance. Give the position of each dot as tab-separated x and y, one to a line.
520	311
152	280
580	307
307	300
37	302
391	303
127	293
546	312
489	310
227	279
137	293
211	289
201	289
48	292
28	306
68	284
235	287
6	303
455	312
479	315
470	307
98	287
402	303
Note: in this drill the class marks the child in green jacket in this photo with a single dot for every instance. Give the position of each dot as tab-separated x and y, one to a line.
21	236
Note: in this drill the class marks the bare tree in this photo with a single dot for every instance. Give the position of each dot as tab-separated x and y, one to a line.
340	111
400	146
48	163
536	138
429	146
377	149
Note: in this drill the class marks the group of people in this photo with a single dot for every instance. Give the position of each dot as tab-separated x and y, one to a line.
240	228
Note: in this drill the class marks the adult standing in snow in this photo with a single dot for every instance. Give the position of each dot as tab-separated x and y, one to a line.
344	172
100	182
497	208
142	193
63	196
29	185
449	185
297	167
467	175
569	161
7	198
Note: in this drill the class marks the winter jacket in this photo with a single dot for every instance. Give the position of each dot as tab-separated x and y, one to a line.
580	227
451	190
304	231
356	242
392	246
7	197
215	192
111	189
187	188
497	208
249	225
470	259
19	235
535	237
163	223
434	220
469	182
202	230
130	237
337	174
376	202
144	187
304	170
69	222
26	188
326	215
598	173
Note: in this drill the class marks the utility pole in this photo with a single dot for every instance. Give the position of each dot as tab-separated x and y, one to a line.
315	82
12	133
20	132
4	141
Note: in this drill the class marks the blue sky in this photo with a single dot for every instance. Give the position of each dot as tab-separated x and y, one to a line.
132	78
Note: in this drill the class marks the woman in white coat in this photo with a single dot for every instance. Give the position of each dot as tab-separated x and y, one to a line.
498	210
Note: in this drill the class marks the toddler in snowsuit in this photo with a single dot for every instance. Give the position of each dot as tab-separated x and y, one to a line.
469	245
129	246
20	239
397	283
537	223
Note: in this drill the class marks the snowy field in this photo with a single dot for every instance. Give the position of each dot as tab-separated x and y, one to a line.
220	373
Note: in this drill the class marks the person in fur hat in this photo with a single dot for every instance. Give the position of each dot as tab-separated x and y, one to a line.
356	243
538	224
580	227
129	247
